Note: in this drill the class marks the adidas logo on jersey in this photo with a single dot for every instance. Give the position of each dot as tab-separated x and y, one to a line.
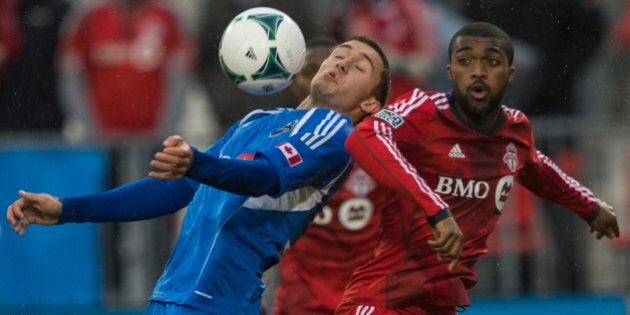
456	152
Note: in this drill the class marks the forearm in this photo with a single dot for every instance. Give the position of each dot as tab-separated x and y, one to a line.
378	155
245	177
545	179
140	200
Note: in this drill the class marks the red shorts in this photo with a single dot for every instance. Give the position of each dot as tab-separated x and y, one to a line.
354	309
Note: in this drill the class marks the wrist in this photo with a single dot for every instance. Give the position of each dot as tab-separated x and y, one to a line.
441	215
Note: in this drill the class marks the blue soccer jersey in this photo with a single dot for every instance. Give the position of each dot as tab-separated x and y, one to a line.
228	240
248	196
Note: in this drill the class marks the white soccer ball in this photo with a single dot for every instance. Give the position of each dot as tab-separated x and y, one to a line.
261	50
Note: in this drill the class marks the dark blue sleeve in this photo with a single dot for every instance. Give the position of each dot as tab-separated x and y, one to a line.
144	199
255	177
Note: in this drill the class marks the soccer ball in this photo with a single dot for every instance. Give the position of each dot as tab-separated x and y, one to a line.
261	50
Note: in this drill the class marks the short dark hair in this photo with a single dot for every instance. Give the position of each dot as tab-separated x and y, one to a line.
383	89
485	29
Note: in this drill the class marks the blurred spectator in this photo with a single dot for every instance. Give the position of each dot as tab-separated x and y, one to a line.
404	28
28	84
124	62
125	65
567	33
10	35
619	99
229	102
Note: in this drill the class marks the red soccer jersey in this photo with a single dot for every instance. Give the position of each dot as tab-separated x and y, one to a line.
419	147
315	271
125	56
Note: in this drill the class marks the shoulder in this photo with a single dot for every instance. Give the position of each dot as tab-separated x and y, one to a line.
261	113
516	117
416	105
321	125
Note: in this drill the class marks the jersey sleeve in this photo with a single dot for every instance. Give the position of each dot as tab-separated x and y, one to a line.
373	145
245	177
143	199
545	179
314	153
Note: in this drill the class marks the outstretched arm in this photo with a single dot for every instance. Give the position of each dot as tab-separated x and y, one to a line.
140	200
545	179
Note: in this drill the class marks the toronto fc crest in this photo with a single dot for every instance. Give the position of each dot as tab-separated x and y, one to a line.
510	158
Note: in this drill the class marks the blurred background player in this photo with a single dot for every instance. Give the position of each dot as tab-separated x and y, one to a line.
29	99
10	35
315	270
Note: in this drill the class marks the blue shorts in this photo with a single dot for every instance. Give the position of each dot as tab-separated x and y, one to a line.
163	308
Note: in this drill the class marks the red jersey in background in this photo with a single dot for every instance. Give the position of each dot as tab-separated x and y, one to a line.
315	270
420	147
124	54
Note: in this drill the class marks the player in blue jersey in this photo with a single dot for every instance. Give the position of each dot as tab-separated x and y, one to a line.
250	194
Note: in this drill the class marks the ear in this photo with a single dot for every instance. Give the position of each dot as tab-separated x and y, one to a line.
448	73
370	106
511	74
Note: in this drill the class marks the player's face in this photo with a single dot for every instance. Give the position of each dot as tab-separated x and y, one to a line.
479	72
347	78
313	58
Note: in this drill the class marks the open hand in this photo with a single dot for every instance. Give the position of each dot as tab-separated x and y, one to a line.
31	208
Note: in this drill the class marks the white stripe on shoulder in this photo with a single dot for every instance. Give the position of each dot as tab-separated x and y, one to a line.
440	100
515	112
400	106
329	135
302	121
327	128
260	112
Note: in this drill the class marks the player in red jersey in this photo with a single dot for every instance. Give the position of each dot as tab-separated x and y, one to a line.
452	155
132	57
315	270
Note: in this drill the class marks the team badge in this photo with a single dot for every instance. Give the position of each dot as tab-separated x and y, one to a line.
510	158
390	117
360	183
290	153
286	128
